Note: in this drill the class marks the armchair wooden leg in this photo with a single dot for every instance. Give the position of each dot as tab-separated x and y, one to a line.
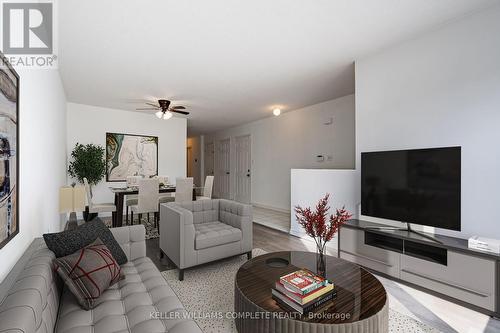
127	217
140	218
181	275
132	217
249	255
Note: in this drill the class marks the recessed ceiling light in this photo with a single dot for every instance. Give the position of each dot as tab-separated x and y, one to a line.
277	112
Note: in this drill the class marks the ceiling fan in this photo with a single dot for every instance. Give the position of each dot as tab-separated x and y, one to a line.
165	111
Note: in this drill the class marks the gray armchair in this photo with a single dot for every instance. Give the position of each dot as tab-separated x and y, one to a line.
197	232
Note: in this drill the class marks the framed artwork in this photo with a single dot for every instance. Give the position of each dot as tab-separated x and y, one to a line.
130	155
9	152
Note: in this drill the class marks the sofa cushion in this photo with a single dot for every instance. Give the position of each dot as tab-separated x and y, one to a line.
211	234
204	211
88	272
142	302
69	241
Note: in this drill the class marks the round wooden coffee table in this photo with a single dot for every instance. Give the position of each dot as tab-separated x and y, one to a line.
360	306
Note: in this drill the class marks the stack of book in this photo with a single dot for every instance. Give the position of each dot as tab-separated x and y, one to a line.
303	291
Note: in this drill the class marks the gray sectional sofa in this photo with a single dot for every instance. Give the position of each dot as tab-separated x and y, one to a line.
197	232
32	297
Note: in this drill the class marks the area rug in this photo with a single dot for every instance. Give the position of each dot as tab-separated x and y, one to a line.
210	289
151	231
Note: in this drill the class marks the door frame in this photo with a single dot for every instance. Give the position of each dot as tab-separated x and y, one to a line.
189	164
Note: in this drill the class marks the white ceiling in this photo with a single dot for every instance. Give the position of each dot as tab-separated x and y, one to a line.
231	61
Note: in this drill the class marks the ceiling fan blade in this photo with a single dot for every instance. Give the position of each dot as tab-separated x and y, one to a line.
181	112
147	109
152	104
178	107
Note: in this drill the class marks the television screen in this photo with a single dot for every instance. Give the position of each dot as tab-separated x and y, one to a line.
420	186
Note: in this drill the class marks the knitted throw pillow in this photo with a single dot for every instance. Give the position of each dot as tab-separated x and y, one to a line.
69	241
89	272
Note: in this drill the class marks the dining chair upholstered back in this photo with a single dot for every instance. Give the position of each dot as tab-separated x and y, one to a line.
209	184
99	207
148	195
184	189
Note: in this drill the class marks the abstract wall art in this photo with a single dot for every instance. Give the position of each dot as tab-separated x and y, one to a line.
130	155
9	152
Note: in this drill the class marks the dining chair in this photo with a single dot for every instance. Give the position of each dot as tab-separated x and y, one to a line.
165	197
97	208
131	200
148	199
184	189
207	189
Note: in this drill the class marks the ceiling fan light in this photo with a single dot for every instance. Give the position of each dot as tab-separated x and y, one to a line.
159	114
167	115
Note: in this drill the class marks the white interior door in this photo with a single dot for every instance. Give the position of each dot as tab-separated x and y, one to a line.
222	169
243	167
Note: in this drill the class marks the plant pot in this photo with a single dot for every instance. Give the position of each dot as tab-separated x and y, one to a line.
89	216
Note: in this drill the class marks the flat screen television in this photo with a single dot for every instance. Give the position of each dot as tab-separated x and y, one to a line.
420	186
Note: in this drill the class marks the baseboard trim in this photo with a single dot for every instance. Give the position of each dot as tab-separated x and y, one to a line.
297	233
281	210
273	227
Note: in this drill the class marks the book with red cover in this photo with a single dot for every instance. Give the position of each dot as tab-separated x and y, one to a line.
302	281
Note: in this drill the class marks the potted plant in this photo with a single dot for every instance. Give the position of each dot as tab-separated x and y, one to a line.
87	161
321	228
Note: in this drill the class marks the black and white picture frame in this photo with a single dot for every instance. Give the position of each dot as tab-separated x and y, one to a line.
9	152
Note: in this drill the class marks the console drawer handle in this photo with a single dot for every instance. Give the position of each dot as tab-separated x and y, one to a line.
367	258
447	283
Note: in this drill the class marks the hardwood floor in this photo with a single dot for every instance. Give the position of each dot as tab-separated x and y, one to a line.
271	218
271	240
153	252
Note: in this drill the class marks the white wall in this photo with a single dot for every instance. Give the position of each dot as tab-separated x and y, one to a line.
89	124
442	89
42	117
293	140
308	186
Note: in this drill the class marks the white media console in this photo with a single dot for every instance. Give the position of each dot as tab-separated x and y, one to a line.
447	268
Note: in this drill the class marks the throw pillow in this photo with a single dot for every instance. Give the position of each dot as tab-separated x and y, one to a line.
69	241
89	272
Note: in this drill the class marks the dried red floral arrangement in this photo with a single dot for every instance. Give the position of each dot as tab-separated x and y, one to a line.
315	223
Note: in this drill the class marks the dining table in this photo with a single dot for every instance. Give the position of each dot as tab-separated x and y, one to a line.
121	192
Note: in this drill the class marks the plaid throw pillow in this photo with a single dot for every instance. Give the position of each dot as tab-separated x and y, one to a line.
89	272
